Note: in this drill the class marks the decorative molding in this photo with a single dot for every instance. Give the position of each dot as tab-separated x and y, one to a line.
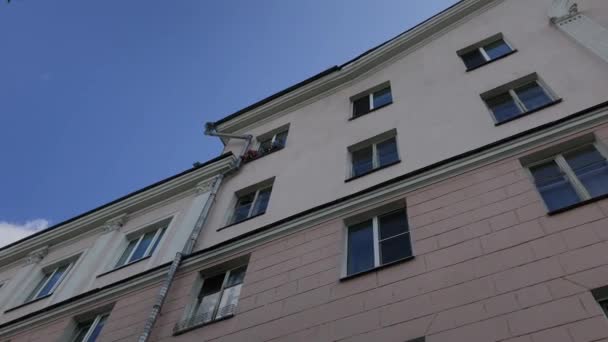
204	187
114	224
36	256
562	10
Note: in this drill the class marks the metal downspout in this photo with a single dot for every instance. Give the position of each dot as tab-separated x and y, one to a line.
196	230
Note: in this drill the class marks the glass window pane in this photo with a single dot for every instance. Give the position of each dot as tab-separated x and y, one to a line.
236	276
126	253
243	205
362	161
497	49
533	96
503	106
212	284
387	152
554	187
392	224
360	247
41	283
230	298
395	248
97	330
204	312
157	241
280	139
473	59
262	202
382	97
591	169
140	251
361	106
53	280
265	145
82	331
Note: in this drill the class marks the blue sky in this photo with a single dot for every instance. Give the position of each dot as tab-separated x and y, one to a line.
101	98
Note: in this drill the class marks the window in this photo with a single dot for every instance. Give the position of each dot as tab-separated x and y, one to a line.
273	142
518	98
50	280
601	296
378	241
252	203
143	245
485	52
88	331
378	152
571	177
217	299
372	100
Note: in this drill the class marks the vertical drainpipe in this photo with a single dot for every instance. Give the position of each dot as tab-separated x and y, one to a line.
196	230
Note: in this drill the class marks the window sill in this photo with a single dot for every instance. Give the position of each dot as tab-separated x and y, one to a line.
554	102
28	303
241	221
246	161
200	325
355	275
372	171
576	205
492	61
371	111
123	266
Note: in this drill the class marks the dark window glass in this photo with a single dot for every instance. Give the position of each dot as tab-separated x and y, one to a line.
554	187
362	160
262	202
157	241
97	330
533	96
473	59
360	247
265	145
394	237
503	106
497	49
361	106
591	169
140	251
126	253
604	305
280	139
382	97
243	205
52	281
82	331
387	152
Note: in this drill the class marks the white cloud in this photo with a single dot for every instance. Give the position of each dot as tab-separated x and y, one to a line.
11	232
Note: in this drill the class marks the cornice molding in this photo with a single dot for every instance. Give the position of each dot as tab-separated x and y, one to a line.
562	10
36	256
100	217
357	67
114	224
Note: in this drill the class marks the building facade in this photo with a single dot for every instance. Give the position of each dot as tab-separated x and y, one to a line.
450	184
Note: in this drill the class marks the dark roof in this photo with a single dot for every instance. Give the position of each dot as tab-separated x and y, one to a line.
192	169
326	72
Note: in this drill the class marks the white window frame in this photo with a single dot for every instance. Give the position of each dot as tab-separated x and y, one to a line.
253	203
92	328
370	95
148	250
376	242
482	49
375	155
564	167
35	296
221	292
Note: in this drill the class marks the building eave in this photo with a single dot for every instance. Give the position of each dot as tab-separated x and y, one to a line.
338	75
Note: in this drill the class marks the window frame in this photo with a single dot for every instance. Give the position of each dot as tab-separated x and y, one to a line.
253	204
373	142
160	228
509	88
273	138
92	328
566	169
186	324
42	282
375	216
369	93
481	47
